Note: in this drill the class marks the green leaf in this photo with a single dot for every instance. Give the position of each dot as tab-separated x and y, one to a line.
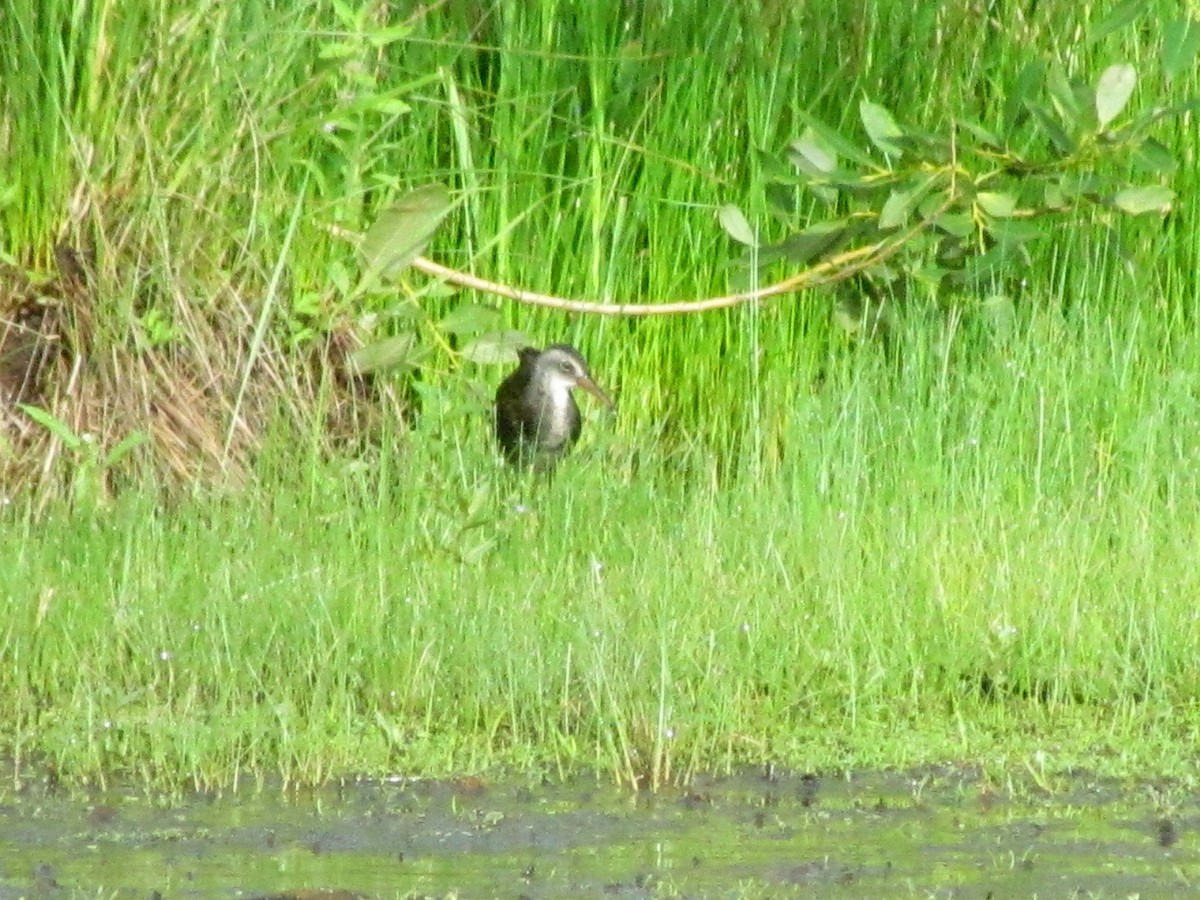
958	224
867	187
1181	41
815	157
1054	129
934	202
998	206
1155	114
56	427
815	242
1062	92
496	347
982	271
350	18
1153	157
470	318
843	147
814	153
1077	185
1014	231
388	106
780	197
124	447
1026	87
734	221
1113	91
407	312
1118	18
337	50
881	128
398	350
381	37
775	171
1054	198
896	210
1150	198
987	138
404	229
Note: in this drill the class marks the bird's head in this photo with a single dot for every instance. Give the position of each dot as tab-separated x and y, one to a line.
561	368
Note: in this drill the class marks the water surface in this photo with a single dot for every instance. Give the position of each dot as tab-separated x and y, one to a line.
940	833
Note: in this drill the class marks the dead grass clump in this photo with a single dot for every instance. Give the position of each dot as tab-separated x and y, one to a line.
190	414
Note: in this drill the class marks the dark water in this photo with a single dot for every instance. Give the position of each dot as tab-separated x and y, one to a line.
943	833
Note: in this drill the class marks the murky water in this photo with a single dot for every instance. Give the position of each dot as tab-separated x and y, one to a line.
935	833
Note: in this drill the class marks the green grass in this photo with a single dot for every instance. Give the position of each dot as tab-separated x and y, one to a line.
782	548
976	569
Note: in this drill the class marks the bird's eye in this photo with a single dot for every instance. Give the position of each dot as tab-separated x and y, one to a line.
566	368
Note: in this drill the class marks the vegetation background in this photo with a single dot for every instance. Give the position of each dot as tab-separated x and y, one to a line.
229	554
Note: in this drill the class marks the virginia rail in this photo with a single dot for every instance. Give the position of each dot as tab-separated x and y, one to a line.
537	420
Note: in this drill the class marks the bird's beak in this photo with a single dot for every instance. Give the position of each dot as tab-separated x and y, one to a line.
595	390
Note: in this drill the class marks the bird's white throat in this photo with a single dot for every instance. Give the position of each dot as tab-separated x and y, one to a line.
556	401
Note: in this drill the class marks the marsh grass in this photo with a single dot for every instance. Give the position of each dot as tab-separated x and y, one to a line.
786	547
983	569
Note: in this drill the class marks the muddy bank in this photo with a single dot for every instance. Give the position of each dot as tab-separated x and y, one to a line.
945	832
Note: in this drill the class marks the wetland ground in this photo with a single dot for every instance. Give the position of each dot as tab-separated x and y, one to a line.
944	832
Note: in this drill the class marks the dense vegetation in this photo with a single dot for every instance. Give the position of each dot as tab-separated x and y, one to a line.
229	552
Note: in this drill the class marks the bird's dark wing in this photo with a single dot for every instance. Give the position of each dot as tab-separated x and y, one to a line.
512	425
575	421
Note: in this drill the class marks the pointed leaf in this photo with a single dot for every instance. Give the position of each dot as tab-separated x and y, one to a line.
934	202
1118	18
1085	103
404	229
998	206
1153	157
881	128
398	350
470	318
780	197
1054	129
1181	41
896	210
1062	92
1113	91
124	447
388	106
983	269
1157	113
1054	197
814	153
957	224
55	426
351	19
985	136
1014	230
1026	87
496	347
734	221
814	242
832	138
867	187
381	37
1150	198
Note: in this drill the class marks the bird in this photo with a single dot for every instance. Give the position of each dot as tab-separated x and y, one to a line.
536	417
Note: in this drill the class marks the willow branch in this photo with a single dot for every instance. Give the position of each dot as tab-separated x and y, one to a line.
831	271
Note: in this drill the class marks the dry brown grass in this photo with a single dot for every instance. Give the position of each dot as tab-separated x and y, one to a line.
204	401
